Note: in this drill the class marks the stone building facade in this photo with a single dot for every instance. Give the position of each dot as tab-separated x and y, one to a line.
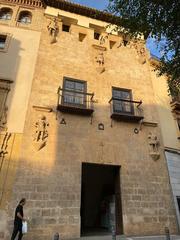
92	152
169	108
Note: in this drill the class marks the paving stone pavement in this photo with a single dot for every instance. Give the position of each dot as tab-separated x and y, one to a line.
173	237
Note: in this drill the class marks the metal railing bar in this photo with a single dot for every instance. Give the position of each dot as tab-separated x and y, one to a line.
73	91
125	100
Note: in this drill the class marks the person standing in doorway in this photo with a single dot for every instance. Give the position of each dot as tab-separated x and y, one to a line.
18	219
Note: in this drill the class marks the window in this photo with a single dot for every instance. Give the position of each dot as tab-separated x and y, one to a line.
111	44
82	37
25	17
2	41
74	92
65	28
122	101
6	13
96	35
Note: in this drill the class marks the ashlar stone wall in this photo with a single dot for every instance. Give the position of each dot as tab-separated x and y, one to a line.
50	178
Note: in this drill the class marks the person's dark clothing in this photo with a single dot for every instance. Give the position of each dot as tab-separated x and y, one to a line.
17	223
15	232
17	220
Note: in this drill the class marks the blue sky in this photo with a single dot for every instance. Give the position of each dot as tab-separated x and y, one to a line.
101	5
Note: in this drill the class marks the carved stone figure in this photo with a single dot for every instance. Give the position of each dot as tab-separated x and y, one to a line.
142	55
41	132
154	146
53	29
3	119
153	142
100	59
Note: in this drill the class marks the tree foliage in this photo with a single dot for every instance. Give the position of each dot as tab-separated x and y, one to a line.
158	19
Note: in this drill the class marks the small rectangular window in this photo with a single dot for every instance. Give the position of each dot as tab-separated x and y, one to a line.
82	37
122	100
3	41
111	44
96	35
74	92
65	28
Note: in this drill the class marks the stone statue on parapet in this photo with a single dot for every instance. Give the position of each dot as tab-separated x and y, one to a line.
53	29
100	59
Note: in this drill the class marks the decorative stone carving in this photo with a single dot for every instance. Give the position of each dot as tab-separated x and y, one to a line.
103	38
53	30
153	146
41	133
100	61
140	49
3	119
142	55
4	145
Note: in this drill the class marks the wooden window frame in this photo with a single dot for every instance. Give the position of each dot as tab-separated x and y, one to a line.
131	99
84	93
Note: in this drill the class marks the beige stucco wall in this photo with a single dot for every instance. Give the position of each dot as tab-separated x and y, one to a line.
17	64
168	123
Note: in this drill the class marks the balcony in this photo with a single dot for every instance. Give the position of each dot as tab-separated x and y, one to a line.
75	102
126	110
175	104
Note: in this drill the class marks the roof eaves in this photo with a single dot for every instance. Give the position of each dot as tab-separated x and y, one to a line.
82	10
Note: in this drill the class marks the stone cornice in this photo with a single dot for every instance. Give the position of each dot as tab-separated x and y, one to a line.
31	3
82	10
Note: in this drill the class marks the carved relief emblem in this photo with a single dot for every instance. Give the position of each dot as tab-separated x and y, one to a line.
41	133
153	146
103	38
53	30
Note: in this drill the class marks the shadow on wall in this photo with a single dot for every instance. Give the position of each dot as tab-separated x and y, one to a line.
9	67
50	178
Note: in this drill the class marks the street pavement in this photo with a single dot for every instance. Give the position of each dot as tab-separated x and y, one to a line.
173	237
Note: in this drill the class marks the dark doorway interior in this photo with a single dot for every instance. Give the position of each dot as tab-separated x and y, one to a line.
100	199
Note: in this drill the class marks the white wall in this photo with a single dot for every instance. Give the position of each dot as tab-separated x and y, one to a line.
173	163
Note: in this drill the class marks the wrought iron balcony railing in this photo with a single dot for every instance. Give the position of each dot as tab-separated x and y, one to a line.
77	102
126	110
